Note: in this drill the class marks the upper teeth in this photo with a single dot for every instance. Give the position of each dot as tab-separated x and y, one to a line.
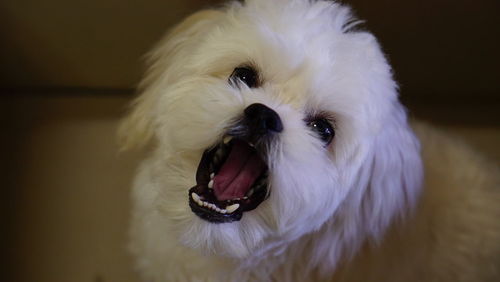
250	193
227	139
211	184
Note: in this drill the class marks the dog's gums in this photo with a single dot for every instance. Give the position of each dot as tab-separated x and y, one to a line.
231	179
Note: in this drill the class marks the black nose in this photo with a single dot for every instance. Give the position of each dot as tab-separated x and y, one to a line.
262	120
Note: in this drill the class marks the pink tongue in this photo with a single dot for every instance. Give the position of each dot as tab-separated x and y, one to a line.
238	173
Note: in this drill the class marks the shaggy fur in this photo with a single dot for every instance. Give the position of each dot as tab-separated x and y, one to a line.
357	210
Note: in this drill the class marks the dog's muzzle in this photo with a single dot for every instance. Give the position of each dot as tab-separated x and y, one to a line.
232	175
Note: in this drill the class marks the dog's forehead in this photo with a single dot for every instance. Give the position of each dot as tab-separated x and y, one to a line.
284	39
305	49
285	34
306	46
289	34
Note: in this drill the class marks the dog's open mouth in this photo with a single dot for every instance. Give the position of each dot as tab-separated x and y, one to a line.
231	179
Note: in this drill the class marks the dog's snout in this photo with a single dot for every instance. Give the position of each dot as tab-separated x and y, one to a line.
263	119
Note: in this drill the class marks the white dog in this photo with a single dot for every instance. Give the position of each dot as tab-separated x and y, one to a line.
280	152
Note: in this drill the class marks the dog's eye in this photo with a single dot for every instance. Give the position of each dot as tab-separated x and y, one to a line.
246	75
323	128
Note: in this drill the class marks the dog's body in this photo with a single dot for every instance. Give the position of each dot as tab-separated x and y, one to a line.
334	185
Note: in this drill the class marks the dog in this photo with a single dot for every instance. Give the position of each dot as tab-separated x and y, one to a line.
279	151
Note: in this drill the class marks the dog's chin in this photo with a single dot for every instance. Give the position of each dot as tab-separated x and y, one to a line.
264	212
233	240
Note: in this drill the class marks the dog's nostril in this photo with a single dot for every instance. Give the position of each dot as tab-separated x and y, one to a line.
263	118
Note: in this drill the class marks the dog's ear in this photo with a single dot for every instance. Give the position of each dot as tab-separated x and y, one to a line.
395	174
137	128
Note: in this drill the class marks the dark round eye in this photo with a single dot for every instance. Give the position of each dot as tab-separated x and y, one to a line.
324	129
246	75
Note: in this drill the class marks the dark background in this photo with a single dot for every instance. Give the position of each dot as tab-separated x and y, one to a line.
441	50
69	68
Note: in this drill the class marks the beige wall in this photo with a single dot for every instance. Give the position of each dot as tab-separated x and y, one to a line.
82	43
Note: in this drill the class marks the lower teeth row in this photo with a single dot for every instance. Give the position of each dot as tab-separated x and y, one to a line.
228	209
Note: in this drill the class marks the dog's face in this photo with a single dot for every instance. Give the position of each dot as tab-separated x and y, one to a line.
271	118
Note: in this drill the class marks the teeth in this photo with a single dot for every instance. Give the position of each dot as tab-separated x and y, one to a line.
195	197
221	151
250	192
213	207
229	209
211	184
227	139
212	175
232	208
239	199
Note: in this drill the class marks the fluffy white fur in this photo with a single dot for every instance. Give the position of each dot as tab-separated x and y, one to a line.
359	210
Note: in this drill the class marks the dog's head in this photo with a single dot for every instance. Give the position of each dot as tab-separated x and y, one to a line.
271	119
